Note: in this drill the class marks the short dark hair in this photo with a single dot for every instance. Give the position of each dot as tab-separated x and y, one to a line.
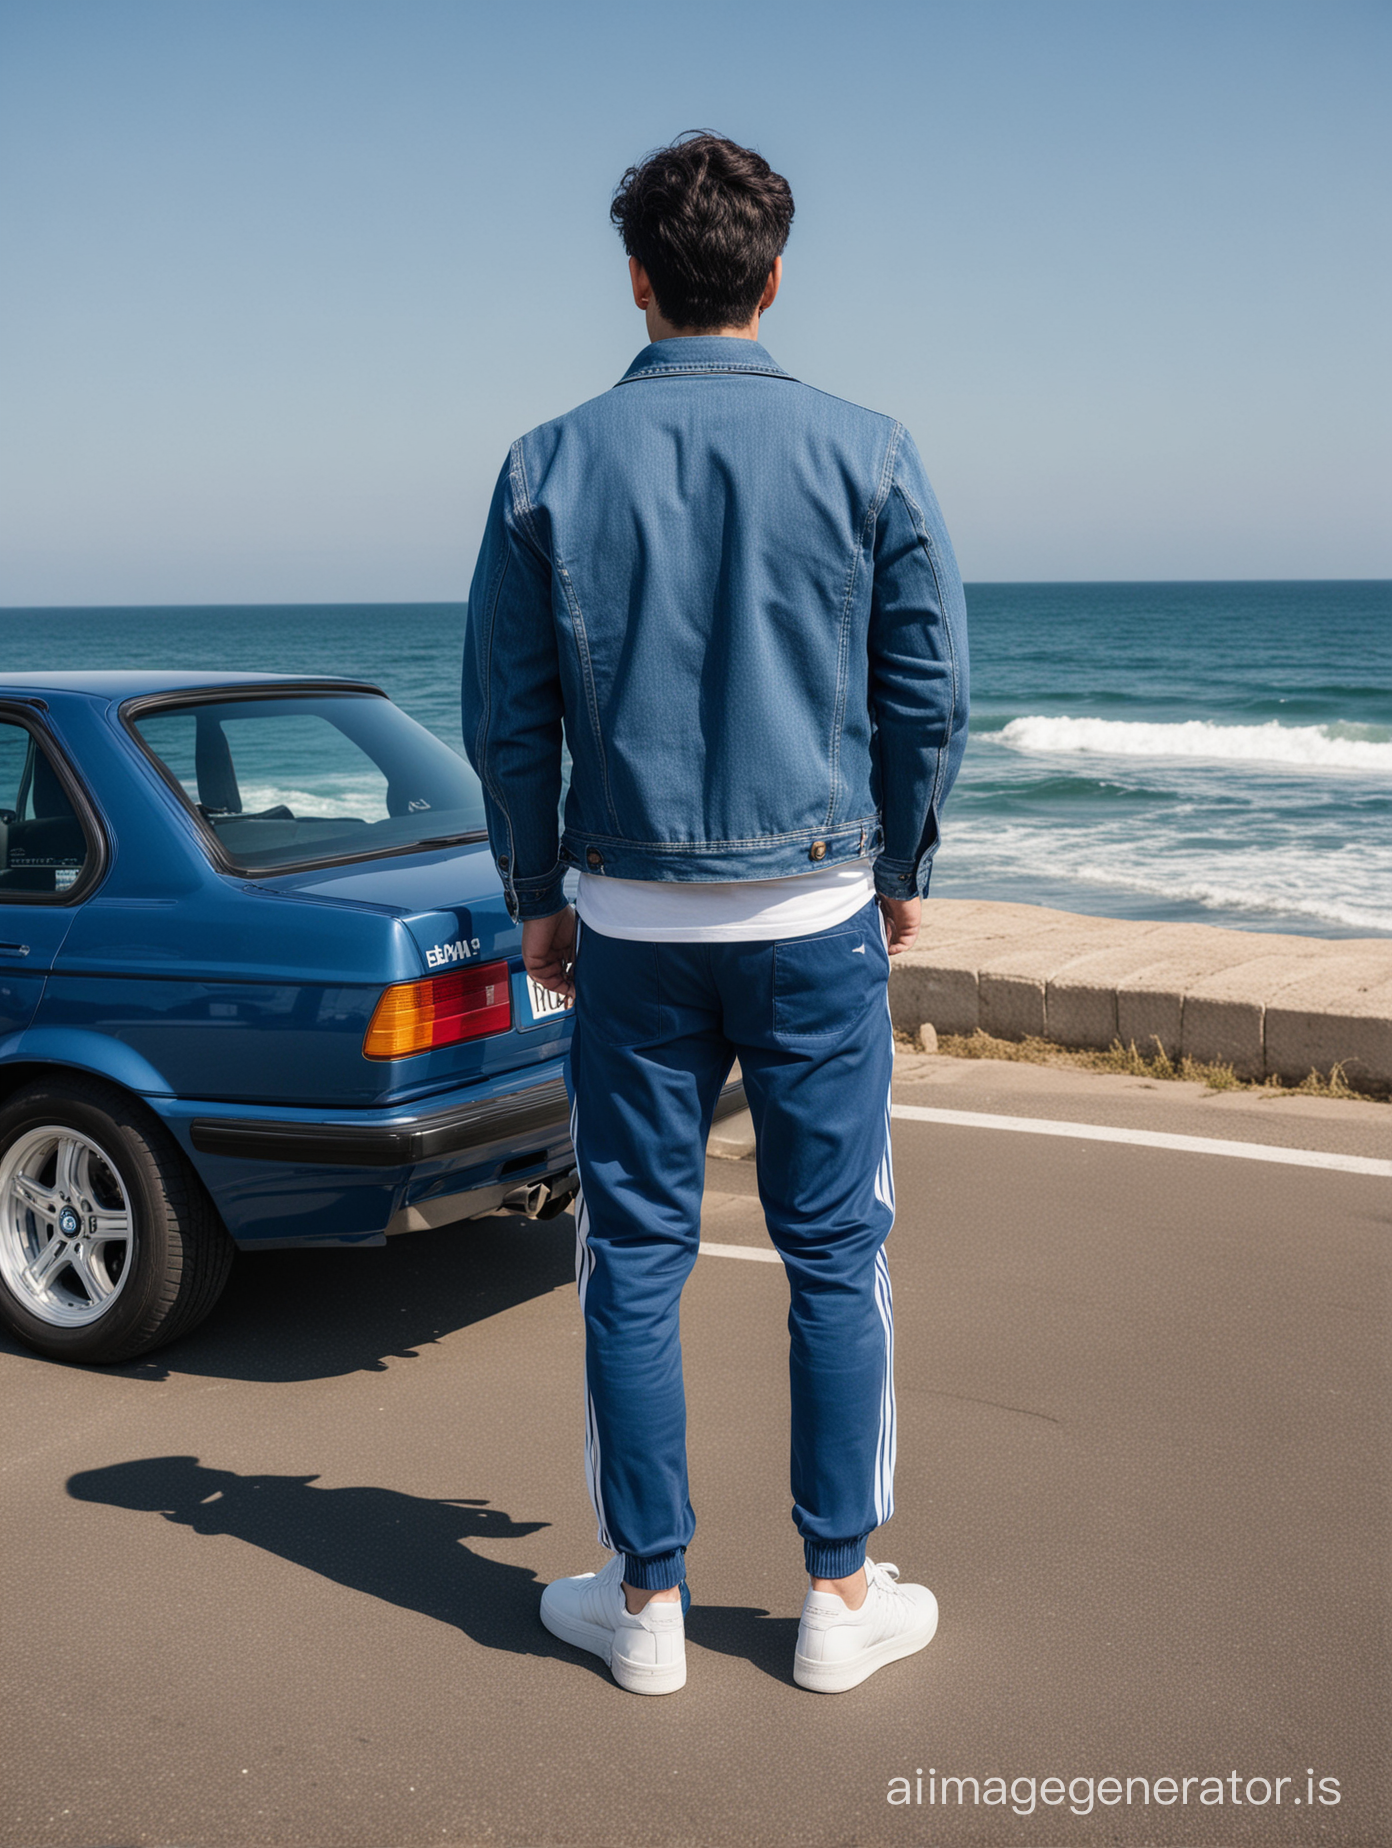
705	218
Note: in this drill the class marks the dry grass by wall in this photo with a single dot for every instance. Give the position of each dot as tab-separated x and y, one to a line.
1134	1063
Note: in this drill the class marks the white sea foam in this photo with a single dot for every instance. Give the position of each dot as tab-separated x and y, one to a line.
1305	747
1350	887
363	798
1280	899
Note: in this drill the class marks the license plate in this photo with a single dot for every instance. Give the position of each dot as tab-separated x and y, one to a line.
542	1002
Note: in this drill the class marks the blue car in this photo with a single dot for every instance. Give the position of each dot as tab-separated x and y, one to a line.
258	988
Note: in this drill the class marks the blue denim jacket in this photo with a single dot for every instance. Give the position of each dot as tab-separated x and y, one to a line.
737	597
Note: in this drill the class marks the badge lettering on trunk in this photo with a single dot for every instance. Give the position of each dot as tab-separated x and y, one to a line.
459	951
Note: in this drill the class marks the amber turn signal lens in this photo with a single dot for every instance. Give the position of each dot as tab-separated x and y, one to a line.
415	1017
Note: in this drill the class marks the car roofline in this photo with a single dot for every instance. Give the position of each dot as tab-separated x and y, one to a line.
213	691
125	684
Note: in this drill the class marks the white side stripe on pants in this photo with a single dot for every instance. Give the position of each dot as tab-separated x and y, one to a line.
584	1266
887	1445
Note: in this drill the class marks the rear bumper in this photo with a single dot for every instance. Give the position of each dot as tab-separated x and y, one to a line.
537	1114
478	1127
344	1177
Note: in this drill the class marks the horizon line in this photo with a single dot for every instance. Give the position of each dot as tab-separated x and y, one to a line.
326	603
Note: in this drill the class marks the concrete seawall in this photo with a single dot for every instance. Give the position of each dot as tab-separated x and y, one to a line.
1269	1006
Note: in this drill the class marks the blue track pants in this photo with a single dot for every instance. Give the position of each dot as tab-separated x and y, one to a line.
657	1028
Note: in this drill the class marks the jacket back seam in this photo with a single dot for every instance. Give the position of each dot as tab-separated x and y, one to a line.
582	649
577	623
872	514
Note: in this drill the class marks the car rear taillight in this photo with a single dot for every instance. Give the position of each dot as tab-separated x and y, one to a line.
414	1017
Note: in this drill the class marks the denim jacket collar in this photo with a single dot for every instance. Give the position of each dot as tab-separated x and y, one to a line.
687	355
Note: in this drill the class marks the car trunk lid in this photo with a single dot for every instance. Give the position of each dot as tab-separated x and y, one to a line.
450	904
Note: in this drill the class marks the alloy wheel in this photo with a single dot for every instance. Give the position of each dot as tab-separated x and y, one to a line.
67	1232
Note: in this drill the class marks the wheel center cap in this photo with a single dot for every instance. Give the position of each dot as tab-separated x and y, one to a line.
68	1222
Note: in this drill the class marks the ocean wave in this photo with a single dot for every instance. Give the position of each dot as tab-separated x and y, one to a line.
1282	878
1218	895
1314	695
356	798
1304	747
1013	793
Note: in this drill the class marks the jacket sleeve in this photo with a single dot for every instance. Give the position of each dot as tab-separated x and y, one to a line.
512	702
918	674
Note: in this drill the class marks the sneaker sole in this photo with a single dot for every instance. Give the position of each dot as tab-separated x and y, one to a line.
837	1677
635	1677
641	1678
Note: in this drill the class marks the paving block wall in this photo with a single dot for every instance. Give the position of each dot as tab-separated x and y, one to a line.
1270	1006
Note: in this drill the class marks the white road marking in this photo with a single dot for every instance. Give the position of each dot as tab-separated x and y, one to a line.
1146	1138
707	1250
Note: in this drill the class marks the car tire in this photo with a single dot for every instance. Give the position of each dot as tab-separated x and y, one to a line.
109	1245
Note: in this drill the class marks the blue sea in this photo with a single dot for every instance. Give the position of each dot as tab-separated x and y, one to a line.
1219	753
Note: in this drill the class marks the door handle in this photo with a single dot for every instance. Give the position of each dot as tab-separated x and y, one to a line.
14	949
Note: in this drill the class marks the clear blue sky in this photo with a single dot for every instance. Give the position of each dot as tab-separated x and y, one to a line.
282	278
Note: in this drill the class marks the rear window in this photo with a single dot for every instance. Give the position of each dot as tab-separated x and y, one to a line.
307	779
43	848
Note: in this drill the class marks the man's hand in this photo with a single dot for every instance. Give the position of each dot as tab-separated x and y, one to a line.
548	951
902	918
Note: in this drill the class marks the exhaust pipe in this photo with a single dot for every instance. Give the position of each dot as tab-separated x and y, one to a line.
527	1200
542	1199
562	1191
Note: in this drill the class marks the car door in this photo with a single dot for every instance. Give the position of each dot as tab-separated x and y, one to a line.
47	861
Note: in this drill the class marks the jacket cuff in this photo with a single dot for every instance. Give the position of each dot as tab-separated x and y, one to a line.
901	879
536	898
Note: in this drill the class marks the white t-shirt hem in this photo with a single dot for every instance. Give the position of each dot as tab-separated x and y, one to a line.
724	911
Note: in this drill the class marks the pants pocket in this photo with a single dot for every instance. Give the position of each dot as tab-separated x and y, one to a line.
822	983
618	990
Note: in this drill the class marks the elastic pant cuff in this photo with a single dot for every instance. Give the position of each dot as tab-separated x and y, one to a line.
833	1559
659	1572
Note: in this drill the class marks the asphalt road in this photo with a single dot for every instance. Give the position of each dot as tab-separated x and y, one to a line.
278	1585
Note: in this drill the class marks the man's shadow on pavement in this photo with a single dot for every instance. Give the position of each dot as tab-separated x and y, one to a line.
405	1549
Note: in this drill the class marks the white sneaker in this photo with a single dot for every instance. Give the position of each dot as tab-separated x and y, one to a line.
838	1648
646	1654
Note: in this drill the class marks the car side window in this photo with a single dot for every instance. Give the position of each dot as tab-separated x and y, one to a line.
43	847
172	736
247	764
289	778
